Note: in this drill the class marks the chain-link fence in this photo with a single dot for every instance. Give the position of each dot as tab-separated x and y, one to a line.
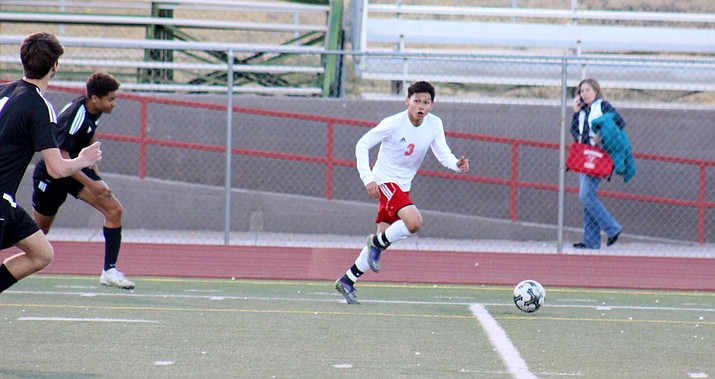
290	171
292	159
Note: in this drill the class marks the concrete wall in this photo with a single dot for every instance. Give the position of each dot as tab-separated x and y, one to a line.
152	204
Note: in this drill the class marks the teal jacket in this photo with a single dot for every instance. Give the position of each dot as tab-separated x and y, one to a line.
615	141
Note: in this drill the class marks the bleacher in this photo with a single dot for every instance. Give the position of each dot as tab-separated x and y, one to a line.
183	45
283	47
494	46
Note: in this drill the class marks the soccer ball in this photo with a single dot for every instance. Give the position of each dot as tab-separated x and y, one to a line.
529	296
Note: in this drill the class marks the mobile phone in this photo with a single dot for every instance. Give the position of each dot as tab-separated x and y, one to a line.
580	100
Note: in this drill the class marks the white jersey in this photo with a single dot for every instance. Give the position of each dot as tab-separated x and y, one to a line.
402	150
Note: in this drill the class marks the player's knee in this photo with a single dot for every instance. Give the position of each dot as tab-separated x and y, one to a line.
47	259
44	223
45	228
43	258
414	225
114	213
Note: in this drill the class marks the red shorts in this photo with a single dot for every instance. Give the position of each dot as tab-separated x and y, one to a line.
392	199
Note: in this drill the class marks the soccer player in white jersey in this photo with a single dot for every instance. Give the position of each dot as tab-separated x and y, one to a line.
27	121
404	139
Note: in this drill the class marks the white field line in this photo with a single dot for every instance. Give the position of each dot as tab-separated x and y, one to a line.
76	319
513	361
336	298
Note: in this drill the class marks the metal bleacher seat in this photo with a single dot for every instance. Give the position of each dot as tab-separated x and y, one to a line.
463	51
114	64
184	61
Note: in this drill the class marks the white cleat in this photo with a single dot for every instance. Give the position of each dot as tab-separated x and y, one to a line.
114	278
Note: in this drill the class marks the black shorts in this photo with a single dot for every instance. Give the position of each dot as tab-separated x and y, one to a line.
17	225
49	194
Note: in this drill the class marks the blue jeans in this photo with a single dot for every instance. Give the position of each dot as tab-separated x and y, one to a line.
595	215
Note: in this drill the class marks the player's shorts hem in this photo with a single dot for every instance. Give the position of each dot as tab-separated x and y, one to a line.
18	226
392	200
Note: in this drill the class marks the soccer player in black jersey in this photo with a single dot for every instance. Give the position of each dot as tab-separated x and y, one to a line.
27	123
75	131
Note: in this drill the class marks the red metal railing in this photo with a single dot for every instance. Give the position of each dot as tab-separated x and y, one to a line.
330	162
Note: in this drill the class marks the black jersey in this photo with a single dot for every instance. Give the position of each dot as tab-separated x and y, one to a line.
27	124
75	129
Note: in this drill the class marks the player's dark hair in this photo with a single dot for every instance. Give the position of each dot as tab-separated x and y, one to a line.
420	87
38	53
100	84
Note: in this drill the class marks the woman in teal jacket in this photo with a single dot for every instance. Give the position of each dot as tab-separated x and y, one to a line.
589	106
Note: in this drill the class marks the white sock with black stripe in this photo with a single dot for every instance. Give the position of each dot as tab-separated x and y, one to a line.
395	232
361	261
360	267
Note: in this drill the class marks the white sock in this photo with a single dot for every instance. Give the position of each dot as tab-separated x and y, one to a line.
397	231
361	261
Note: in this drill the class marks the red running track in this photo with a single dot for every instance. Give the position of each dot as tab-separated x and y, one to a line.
299	263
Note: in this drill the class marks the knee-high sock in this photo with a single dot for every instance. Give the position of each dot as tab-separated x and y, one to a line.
397	231
112	243
361	261
358	268
6	278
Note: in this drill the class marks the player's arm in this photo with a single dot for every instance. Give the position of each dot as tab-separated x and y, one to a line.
444	154
94	167
97	187
59	167
362	154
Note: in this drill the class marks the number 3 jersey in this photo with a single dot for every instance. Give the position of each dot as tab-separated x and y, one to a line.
403	147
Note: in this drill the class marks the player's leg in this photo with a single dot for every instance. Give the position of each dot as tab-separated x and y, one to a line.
43	222
404	219
112	210
21	231
411	223
37	253
345	285
392	201
47	198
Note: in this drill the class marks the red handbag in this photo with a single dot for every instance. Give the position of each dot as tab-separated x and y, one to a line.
590	160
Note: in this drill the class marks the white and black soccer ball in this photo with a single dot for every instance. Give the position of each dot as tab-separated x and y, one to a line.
529	296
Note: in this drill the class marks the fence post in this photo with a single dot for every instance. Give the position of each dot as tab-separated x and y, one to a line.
329	160
562	160
333	42
229	145
142	138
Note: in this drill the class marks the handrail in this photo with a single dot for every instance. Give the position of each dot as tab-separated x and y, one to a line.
178	4
245	5
543	13
116	43
173	88
79	4
125	43
176	65
142	21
